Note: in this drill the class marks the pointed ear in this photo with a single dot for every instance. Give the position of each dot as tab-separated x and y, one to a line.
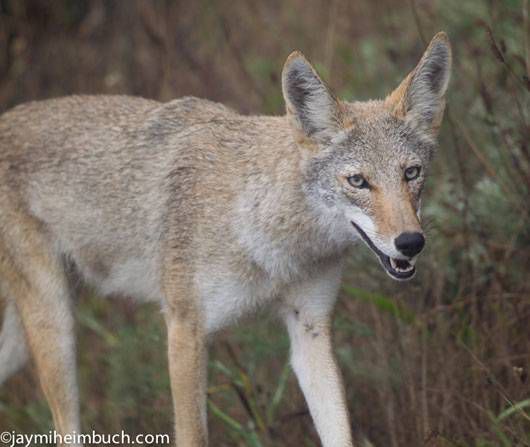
420	98
310	104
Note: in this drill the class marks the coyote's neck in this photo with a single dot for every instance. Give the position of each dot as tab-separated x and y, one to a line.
280	230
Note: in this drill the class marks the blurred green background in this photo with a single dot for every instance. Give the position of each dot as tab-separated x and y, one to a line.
440	361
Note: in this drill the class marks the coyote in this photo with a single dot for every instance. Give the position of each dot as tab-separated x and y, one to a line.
212	214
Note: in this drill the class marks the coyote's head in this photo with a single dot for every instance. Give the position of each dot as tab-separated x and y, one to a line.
366	162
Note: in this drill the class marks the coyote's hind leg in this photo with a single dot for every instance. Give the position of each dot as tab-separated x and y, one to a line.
13	347
32	275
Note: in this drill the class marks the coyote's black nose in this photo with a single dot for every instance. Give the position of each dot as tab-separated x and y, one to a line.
410	244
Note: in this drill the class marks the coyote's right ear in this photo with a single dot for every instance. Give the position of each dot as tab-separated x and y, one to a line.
420	98
314	109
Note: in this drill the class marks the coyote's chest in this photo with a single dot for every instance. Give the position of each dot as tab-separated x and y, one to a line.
225	299
229	291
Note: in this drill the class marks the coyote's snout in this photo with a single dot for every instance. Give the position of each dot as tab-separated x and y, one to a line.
395	234
126	190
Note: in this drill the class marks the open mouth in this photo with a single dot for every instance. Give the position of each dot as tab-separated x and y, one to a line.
400	269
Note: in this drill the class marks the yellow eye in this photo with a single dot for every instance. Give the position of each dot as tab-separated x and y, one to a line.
358	181
412	173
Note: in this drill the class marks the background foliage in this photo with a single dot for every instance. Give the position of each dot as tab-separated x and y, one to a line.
440	361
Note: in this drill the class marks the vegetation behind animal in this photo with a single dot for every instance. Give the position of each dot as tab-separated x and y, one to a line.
440	361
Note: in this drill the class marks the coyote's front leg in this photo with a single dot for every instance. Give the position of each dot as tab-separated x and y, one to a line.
307	312
187	369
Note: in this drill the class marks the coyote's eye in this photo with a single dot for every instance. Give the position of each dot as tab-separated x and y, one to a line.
358	181
412	173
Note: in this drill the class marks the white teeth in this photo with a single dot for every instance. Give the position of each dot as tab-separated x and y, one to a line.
394	265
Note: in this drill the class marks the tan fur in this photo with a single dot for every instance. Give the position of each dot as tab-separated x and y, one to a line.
187	368
395	216
31	275
397	100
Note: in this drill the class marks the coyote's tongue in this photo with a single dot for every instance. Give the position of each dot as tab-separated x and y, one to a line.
402	264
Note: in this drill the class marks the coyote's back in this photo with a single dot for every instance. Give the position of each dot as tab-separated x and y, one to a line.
96	174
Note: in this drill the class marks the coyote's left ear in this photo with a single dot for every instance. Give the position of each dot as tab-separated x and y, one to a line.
314	110
420	98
